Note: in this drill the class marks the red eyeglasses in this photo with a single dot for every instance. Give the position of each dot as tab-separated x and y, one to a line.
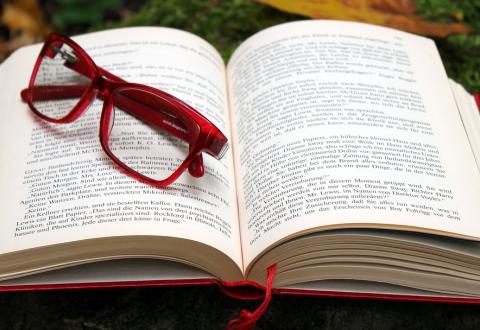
152	135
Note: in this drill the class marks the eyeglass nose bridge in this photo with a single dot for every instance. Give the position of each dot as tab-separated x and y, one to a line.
106	86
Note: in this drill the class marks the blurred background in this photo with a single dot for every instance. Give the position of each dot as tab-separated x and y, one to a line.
454	24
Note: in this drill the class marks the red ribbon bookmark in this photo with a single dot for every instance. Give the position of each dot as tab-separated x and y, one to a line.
246	320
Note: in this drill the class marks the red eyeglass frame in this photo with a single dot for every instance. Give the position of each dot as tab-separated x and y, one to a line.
178	119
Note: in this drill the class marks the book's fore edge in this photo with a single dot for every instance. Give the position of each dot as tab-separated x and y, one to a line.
475	143
466	121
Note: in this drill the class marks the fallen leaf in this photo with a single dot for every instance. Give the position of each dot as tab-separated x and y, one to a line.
26	24
403	7
395	14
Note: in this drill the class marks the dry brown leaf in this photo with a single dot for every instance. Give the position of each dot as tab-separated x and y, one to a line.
402	7
26	24
391	13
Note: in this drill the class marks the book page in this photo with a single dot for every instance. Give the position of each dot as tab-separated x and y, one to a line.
58	185
341	124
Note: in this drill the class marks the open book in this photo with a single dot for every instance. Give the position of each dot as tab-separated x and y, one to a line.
353	159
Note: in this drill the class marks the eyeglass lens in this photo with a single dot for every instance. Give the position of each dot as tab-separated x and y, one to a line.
149	149
59	84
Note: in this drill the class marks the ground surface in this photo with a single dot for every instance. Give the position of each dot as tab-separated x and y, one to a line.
208	308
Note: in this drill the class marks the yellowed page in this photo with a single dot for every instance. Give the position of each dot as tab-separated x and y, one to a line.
59	186
340	124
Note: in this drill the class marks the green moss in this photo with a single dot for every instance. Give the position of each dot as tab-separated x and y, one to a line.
78	14
460	53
